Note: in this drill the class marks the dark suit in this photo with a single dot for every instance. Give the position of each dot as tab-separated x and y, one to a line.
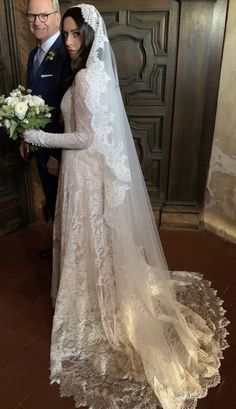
49	82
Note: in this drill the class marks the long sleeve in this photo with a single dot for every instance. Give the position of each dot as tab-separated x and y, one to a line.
82	137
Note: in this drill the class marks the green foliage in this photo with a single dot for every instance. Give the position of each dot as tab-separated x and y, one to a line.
21	110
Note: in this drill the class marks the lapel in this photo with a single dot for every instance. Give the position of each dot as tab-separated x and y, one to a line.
55	50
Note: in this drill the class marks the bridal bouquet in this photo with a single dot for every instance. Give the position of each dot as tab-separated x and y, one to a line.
21	111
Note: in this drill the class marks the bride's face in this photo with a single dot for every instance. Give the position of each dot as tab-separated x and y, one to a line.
72	37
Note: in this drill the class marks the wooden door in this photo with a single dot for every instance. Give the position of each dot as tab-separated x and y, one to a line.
15	199
143	36
169	58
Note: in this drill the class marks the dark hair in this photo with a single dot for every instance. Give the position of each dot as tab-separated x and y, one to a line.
87	35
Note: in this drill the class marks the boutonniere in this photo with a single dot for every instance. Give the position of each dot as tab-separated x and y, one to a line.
50	55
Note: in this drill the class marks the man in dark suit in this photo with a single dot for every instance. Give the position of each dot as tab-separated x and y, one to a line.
48	67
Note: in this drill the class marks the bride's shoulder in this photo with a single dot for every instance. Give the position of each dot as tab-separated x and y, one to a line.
85	78
86	74
80	83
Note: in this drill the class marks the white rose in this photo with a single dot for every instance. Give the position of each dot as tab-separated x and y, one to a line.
11	101
15	94
40	101
30	100
21	109
7	124
34	100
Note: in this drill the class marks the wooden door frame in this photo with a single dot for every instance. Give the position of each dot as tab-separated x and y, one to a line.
178	213
15	69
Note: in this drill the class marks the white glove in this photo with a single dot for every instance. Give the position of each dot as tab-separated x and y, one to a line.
32	136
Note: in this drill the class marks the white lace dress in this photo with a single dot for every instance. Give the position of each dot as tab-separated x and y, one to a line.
85	294
82	264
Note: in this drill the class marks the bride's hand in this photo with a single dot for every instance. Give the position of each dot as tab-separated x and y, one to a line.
31	136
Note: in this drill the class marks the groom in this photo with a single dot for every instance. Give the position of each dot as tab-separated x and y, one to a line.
48	67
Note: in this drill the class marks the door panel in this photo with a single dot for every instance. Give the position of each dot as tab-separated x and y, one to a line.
144	46
143	36
14	200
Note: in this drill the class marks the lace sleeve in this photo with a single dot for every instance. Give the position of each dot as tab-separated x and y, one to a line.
82	137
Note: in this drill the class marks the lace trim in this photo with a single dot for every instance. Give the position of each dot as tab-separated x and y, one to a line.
101	377
90	15
117	176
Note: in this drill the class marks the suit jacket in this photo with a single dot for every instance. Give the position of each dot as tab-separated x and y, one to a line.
48	82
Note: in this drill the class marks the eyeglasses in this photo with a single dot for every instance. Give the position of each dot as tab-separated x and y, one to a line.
42	16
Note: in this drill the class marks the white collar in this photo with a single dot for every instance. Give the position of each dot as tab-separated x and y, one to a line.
48	43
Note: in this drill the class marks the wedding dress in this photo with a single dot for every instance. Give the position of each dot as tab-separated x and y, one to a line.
127	333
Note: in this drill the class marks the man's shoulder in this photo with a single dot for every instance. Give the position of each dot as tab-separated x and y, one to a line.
57	51
58	44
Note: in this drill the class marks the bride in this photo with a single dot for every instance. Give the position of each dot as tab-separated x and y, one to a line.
127	332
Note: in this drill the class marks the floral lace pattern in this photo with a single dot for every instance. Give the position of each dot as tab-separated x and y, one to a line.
97	374
93	357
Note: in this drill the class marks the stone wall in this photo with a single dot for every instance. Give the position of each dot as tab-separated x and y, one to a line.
220	201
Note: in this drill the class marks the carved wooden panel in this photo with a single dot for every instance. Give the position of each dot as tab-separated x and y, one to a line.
145	51
148	138
143	36
141	50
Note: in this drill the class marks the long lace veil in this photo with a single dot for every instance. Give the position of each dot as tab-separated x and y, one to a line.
180	349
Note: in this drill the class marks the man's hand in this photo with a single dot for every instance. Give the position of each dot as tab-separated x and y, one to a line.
24	152
53	166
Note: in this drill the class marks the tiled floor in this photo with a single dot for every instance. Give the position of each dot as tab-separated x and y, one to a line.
26	314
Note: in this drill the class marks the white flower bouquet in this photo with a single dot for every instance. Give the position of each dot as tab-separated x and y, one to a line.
21	111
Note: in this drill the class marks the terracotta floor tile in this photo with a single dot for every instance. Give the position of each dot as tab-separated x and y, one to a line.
26	312
224	397
9	348
35	319
228	294
11	275
11	303
46	396
34	288
20	377
199	251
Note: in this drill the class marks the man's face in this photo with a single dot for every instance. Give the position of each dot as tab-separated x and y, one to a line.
43	30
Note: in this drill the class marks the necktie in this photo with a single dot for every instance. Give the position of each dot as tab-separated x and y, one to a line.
38	58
